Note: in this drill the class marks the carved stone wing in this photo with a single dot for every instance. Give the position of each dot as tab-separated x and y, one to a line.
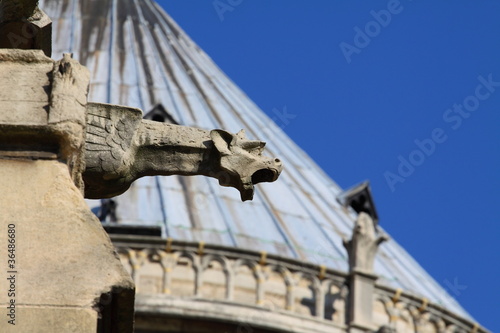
110	131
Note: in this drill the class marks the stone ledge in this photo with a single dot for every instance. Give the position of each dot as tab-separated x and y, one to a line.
52	319
24	56
240	315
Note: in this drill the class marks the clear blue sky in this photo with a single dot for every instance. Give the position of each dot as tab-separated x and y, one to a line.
412	103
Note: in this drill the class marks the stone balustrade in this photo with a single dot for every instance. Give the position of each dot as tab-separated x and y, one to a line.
176	274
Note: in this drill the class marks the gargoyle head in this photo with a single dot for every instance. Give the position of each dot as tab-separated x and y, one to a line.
241	162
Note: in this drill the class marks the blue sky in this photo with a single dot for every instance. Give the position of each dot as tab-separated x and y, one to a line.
403	93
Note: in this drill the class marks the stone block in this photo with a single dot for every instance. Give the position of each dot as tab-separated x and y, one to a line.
63	260
25	79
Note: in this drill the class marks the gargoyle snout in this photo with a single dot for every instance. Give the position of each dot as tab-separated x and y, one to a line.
266	170
268	174
242	162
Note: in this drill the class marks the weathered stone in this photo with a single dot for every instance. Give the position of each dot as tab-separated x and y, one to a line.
67	114
121	147
25	79
42	147
363	245
386	329
64	261
43	106
24	26
362	248
65	273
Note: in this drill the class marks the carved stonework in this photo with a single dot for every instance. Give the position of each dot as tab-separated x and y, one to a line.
241	279
121	147
213	275
361	250
42	140
70	81
363	245
43	108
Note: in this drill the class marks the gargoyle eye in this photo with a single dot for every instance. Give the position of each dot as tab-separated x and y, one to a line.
251	145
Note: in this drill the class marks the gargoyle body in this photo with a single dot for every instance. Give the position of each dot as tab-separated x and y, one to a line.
121	147
364	244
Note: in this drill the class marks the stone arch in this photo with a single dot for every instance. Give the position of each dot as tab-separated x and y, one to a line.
150	278
401	317
277	288
307	292
167	261
217	279
382	309
424	321
247	281
136	259
185	274
335	296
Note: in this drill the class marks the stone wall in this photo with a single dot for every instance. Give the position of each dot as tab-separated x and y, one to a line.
63	270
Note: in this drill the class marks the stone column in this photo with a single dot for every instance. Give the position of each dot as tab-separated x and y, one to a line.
360	305
62	271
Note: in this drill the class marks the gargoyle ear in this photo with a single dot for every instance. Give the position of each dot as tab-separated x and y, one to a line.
241	134
222	141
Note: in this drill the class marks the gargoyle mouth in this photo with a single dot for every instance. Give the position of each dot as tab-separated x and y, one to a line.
260	176
265	175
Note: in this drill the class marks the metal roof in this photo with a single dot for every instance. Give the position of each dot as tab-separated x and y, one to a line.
138	56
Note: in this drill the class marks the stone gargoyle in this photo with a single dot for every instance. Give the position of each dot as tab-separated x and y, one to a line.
121	147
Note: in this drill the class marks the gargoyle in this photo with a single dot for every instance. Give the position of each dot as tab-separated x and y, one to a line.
364	244
121	147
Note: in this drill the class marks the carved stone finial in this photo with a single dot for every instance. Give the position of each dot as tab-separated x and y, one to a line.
24	26
364	244
361	250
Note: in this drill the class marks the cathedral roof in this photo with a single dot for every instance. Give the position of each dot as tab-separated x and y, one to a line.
139	57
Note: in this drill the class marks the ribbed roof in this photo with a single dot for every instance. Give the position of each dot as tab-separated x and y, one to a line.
138	56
